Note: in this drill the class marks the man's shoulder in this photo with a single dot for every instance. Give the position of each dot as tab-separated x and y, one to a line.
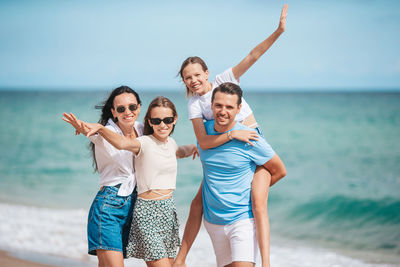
239	126
209	123
209	126
257	144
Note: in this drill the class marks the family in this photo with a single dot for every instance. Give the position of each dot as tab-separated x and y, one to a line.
134	214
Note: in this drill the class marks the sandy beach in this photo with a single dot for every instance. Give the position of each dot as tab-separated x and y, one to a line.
6	260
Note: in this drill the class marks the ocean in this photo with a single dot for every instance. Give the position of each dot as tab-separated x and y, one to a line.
339	204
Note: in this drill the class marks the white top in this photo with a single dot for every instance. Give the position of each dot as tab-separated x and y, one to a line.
156	164
200	106
115	166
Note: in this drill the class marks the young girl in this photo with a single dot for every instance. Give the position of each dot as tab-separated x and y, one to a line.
195	74
154	234
110	214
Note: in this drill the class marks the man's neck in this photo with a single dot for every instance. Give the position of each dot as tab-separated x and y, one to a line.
225	128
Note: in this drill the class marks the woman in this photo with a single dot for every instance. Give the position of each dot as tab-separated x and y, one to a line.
154	235
195	74
111	211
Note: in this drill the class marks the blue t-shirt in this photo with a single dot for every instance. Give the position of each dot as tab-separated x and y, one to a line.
228	172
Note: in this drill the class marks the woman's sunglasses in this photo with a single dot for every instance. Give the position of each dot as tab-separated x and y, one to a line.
132	107
166	120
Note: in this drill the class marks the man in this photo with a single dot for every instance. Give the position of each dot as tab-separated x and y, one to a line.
228	173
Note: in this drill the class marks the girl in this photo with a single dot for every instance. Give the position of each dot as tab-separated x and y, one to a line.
154	234
111	210
195	74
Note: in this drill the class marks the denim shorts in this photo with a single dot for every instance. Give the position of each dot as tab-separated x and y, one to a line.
109	220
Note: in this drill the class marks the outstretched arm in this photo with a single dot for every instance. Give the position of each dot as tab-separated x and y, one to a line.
261	48
118	141
209	141
186	151
77	124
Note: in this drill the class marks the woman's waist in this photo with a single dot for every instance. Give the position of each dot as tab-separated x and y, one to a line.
116	177
124	185
156	194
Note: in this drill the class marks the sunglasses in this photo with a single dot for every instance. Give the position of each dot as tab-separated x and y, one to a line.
132	107
166	120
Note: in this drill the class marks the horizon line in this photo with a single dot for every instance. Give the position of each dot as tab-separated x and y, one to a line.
170	89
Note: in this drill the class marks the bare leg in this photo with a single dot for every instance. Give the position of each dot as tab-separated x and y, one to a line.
192	228
259	201
110	258
164	262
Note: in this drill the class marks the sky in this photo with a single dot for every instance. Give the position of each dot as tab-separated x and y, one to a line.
84	45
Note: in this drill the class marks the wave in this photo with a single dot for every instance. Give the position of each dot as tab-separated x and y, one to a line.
359	223
342	209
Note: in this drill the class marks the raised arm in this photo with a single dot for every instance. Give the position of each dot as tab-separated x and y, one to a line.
118	141
88	129
77	124
276	168
261	48
209	141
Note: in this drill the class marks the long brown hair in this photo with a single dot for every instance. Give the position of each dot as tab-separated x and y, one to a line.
106	113
191	60
159	101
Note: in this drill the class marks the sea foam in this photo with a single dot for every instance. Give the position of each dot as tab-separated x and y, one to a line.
62	233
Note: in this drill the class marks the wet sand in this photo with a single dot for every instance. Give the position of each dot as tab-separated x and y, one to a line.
7	260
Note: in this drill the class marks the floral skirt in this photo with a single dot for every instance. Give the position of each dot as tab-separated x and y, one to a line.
155	230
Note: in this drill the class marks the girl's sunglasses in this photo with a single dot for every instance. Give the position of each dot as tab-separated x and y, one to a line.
166	120
132	107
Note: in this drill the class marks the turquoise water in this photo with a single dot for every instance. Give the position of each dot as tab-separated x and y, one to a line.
341	150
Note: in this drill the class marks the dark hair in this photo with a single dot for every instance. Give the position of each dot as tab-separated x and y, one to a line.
159	101
192	60
106	113
229	88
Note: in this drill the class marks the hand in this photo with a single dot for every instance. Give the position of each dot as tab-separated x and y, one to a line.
195	151
282	21
244	135
93	128
77	124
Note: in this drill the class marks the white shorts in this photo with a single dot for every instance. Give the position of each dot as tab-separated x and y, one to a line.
233	242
